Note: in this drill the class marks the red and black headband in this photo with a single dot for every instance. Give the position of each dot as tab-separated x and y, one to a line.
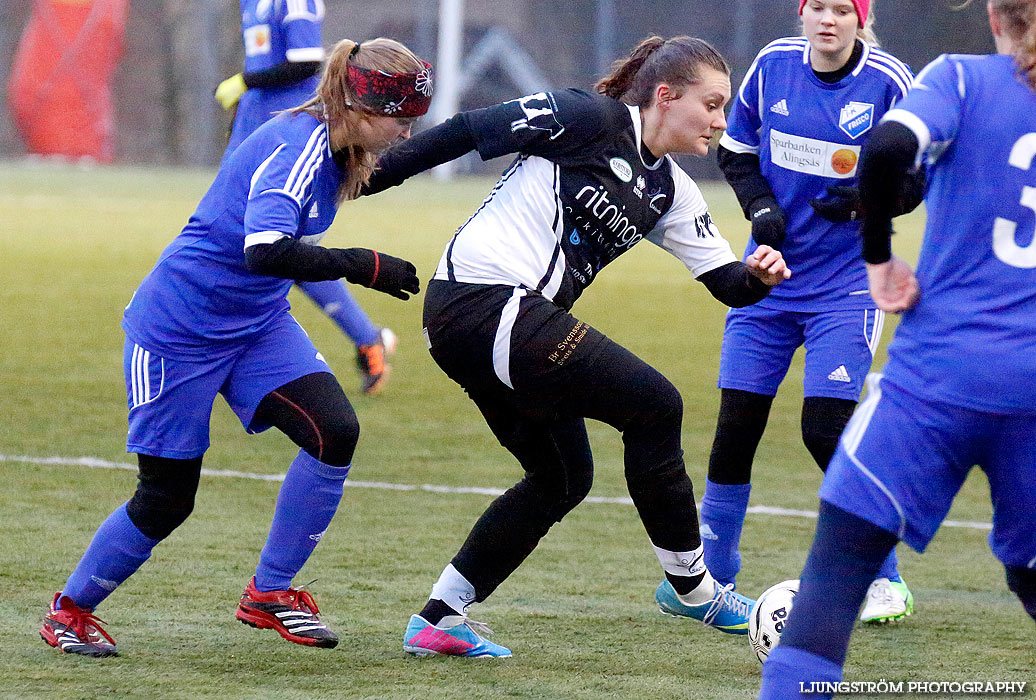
391	94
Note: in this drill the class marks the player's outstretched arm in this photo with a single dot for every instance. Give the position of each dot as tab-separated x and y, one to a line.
884	168
292	259
440	144
738	284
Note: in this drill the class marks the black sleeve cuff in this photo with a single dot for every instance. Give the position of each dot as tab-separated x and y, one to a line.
734	285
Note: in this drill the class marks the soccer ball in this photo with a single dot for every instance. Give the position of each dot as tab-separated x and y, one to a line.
769	616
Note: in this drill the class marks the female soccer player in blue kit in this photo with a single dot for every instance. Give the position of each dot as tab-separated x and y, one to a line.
803	112
212	318
958	386
283	54
592	177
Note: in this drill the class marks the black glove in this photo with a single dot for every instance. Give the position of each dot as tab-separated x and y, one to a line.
393	276
767	219
841	203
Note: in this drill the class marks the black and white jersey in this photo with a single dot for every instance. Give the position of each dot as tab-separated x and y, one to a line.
578	195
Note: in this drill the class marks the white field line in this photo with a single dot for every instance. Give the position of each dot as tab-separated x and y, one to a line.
94	463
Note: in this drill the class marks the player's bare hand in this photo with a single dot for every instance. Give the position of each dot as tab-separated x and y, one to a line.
768	265
893	286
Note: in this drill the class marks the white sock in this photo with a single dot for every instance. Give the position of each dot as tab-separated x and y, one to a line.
705	592
682	563
688	564
454	590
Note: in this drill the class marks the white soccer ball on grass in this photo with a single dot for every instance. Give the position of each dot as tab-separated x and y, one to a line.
769	615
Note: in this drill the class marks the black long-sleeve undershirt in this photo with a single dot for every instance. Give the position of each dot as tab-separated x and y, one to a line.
885	166
286	73
734	285
291	259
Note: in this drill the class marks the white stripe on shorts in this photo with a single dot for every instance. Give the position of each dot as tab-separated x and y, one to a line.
140	377
502	342
853	435
875	330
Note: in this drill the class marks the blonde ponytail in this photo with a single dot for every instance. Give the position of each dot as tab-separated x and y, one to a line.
336	104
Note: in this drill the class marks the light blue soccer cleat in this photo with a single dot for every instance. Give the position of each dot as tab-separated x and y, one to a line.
454	636
727	611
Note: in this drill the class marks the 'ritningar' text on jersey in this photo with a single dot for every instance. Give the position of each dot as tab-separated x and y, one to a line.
971	340
200	300
808	135
563	209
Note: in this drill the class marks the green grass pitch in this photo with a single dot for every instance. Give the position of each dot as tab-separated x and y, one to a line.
579	614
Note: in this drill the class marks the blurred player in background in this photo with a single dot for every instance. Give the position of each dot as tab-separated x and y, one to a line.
592	178
958	386
212	318
283	55
805	108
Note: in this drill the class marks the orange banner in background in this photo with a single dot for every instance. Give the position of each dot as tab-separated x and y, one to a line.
60	88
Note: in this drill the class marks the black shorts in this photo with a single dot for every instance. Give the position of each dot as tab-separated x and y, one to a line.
493	338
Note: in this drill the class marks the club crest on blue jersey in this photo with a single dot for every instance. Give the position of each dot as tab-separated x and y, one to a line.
856	118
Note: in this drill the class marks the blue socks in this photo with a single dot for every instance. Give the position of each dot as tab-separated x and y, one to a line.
723	509
842	562
305	506
890	568
787	668
336	301
117	550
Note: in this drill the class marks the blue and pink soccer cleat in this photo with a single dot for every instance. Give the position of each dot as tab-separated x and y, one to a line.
453	636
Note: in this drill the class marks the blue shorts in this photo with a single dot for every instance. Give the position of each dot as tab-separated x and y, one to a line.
170	401
902	460
758	344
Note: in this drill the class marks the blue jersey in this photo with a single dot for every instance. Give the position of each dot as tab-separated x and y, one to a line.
200	301
971	340
808	135
275	31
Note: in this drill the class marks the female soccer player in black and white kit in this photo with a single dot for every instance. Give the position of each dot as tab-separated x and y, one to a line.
592	178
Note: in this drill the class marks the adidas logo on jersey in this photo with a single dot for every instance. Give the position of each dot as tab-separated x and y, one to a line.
781	108
840	375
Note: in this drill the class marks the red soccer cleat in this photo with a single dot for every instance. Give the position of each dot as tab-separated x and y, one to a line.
293	613
75	631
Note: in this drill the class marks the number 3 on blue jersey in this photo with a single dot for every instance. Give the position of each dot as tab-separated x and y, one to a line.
1022	154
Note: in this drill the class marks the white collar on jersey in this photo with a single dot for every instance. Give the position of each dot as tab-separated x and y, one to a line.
635	116
859	66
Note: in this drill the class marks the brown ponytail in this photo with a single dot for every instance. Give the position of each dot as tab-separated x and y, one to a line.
335	103
655	60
